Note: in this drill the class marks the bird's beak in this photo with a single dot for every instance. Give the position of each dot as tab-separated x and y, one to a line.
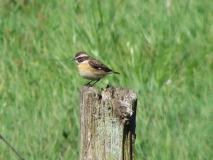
69	58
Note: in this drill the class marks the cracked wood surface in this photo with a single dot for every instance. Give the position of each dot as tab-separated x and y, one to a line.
107	124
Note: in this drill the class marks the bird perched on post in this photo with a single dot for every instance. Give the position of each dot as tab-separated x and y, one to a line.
91	68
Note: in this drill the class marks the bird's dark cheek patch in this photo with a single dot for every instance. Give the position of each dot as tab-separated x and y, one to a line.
80	60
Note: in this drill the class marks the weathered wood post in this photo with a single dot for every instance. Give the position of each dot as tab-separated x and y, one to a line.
107	124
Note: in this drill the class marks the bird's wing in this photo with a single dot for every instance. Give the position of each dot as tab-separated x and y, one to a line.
98	65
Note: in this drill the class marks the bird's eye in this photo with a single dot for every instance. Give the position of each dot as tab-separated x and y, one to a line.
80	59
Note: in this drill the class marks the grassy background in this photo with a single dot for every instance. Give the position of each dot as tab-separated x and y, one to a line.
163	53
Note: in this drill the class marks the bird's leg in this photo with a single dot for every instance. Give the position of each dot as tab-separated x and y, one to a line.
95	82
88	84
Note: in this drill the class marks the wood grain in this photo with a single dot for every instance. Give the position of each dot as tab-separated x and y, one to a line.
107	124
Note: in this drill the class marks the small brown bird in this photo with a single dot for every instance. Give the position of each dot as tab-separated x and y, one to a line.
91	68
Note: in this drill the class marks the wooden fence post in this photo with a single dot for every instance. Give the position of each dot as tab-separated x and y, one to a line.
107	124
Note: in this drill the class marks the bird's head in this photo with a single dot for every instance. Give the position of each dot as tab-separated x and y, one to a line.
81	57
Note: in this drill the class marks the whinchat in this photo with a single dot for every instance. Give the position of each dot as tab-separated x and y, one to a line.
91	68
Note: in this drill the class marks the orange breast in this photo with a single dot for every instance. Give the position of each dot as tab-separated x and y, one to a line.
88	72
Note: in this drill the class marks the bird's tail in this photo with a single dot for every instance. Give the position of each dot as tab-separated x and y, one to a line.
115	72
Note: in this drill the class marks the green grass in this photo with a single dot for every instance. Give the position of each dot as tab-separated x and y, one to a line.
167	58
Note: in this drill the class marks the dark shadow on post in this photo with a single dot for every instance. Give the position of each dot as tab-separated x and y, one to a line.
129	135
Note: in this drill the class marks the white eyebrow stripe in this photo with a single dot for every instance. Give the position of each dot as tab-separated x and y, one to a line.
82	55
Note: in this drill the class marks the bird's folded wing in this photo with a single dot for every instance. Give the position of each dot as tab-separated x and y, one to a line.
98	65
